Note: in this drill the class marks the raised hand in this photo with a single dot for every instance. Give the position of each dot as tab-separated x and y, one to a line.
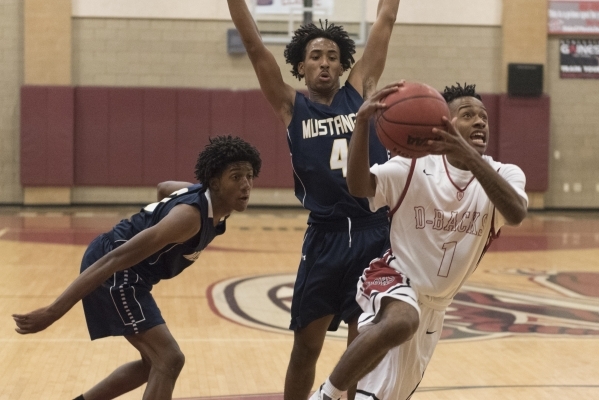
451	142
373	103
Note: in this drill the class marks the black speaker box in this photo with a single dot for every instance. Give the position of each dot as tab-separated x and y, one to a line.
525	80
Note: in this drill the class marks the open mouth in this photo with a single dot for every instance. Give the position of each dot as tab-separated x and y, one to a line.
478	138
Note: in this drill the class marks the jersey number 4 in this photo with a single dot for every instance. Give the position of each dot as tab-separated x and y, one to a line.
339	155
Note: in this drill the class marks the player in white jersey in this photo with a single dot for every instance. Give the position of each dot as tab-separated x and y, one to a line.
446	209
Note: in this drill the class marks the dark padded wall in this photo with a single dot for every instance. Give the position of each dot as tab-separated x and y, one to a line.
106	136
47	136
139	137
524	123
491	102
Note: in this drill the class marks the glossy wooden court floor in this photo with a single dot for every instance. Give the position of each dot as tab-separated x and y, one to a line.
526	326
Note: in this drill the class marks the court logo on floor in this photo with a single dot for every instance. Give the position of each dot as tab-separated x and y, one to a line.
264	301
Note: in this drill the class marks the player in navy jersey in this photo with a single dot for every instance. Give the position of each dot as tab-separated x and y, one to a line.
120	267
343	235
446	209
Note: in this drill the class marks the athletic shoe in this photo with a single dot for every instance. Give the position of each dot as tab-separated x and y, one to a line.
318	395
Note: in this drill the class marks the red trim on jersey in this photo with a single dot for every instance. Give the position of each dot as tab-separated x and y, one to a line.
492	234
451	180
405	188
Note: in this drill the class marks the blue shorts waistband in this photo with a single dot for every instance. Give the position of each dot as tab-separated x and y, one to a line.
351	223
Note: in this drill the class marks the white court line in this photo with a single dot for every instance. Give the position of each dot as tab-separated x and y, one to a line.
3	231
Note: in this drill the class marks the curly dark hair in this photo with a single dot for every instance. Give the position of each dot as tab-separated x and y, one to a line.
295	51
454	92
223	151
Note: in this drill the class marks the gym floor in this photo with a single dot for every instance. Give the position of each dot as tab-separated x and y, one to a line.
525	326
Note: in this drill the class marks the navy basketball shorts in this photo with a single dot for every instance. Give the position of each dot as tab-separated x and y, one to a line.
123	304
332	262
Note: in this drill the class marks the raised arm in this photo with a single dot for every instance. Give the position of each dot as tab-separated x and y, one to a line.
367	71
508	202
179	225
280	95
360	181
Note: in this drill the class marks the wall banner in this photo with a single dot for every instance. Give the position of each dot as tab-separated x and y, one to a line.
579	58
572	16
289	6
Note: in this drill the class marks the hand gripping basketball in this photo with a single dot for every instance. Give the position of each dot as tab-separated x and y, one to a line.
406	125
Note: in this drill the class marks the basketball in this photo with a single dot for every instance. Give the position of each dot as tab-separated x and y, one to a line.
405	126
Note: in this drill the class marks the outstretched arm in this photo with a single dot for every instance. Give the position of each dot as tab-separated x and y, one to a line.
179	225
360	181
505	198
367	71
280	95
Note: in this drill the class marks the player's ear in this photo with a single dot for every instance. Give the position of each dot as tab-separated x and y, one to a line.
214	184
300	69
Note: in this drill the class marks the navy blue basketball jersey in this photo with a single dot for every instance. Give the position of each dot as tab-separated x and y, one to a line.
318	137
174	258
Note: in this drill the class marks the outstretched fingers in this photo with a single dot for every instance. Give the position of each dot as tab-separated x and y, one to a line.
450	128
447	137
377	100
388	89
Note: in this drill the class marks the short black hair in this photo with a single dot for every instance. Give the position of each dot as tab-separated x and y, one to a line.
222	151
454	92
295	51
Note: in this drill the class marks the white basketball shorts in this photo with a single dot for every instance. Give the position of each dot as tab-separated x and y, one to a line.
401	370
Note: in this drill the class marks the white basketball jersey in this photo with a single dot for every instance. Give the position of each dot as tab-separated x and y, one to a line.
444	222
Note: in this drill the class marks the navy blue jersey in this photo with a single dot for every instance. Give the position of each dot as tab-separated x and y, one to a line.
318	137
175	257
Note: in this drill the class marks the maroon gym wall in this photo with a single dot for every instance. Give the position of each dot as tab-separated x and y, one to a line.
47	136
118	136
524	123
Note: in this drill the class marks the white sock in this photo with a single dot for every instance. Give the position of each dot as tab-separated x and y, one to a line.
331	390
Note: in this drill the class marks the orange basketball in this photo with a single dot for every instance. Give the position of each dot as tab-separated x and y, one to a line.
412	112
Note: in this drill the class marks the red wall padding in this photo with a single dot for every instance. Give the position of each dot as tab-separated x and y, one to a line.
491	102
91	136
47	136
139	137
125	137
524	123
193	130
159	142
107	136
269	135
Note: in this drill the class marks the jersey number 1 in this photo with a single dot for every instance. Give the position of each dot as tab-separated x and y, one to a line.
449	251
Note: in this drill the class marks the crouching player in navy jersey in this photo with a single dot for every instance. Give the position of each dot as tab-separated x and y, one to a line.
120	267
343	234
446	209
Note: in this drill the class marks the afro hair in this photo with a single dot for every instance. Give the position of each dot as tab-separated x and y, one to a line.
222	151
295	52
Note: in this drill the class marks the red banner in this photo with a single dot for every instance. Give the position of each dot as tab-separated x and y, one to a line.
573	17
